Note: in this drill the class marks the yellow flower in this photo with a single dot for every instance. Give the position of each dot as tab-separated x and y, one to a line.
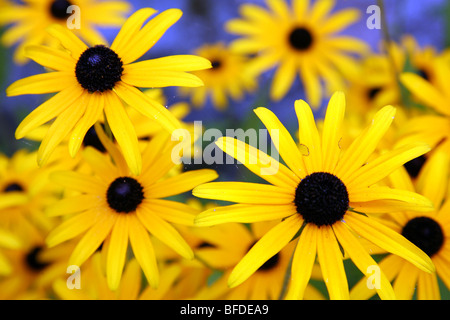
25	191
433	127
222	248
31	18
429	231
92	81
114	206
299	40
34	267
319	194
377	83
227	77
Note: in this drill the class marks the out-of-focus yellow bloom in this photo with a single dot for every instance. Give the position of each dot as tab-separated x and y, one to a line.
31	19
226	79
299	40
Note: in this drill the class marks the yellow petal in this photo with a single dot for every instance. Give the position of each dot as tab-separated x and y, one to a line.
58	131
363	260
244	213
151	32
117	250
51	58
386	193
311	83
124	132
92	240
13	199
164	231
406	281
130	285
303	262
68	40
428	287
269	245
144	252
78	181
93	113
170	63
49	110
425	91
283	78
148	107
283	141
245	192
332	131
309	137
160	78
181	183
339	21
42	83
321	9
72	204
385	164
72	227
131	26
331	264
172	211
259	162
432	181
364	145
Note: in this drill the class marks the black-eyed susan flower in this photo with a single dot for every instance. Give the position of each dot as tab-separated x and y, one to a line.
223	246
298	40
34	267
324	193
433	126
92	82
429	231
115	206
25	191
377	83
30	19
226	79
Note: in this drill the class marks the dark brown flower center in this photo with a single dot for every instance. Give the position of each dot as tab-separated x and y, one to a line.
321	198
58	9
301	39
98	69
425	233
124	195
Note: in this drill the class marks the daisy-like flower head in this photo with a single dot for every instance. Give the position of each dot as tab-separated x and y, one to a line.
226	79
25	190
324	194
428	230
34	266
30	19
114	206
434	126
299	40
92	82
231	241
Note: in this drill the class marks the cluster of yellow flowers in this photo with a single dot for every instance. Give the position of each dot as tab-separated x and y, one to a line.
105	208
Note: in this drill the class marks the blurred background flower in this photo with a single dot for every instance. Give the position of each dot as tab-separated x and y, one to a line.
399	69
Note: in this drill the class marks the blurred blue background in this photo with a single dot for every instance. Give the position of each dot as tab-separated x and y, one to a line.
203	22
